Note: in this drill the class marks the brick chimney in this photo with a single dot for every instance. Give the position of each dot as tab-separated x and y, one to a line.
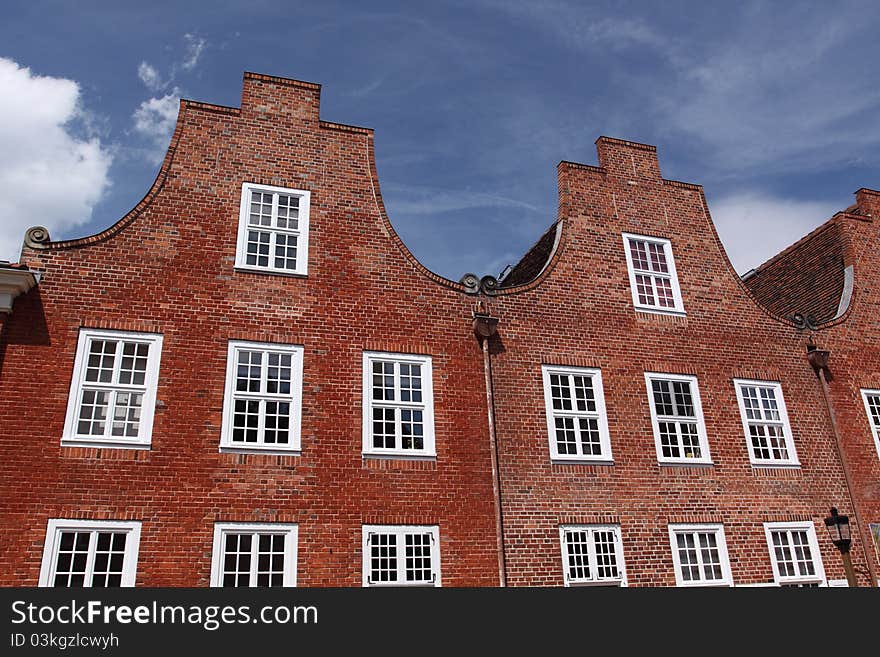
628	159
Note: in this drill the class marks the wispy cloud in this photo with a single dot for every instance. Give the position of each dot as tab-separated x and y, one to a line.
155	119
753	100
581	27
194	47
50	173
764	94
413	200
778	221
150	77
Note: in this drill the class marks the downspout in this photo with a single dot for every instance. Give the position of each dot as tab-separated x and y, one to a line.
485	327
818	359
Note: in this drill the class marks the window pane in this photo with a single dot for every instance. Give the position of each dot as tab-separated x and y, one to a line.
246	421
662	397
383	428
410	382
585	398
278	376
417	563
257	248
288	212
566	441
874	407
383	558
560	392
102	357
133	367
249	371
383	381
606	555
70	563
285	251
412	429
93	413
638	251
578	555
127	414
260	209
657	257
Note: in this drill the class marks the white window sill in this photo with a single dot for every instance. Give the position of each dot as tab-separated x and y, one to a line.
109	444
613	583
556	460
400	456
698	585
271	272
687	463
776	464
403	585
255	449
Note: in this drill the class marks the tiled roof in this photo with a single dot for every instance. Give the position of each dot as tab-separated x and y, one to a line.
533	262
807	278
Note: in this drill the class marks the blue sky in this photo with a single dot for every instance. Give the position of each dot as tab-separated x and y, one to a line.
773	107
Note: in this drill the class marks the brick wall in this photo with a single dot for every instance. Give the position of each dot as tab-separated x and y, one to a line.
168	267
580	313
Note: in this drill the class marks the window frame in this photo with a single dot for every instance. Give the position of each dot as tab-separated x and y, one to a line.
400	531
144	439
56	526
290	531
699	420
618	551
595	374
793	461
302	262
678	308
429	449
875	428
720	539
813	542
294	444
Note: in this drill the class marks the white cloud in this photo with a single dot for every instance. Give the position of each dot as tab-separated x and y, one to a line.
194	47
155	119
150	77
415	200
754	227
49	175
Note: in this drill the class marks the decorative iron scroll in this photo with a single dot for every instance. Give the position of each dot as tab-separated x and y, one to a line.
476	285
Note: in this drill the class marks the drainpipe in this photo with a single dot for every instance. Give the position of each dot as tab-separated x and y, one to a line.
485	326
818	359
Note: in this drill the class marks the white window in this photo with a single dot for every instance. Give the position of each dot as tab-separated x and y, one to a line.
397	555
872	408
260	554
700	555
398	405
652	276
765	423
576	422
592	554
263	400
273	229
677	418
113	391
98	553
794	553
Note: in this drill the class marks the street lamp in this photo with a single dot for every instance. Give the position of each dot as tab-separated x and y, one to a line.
838	530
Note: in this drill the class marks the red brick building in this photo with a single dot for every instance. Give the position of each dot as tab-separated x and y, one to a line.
249	380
